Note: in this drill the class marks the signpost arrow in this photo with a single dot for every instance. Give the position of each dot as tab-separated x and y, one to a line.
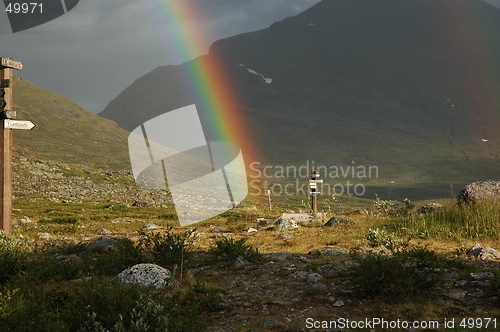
9	63
17	124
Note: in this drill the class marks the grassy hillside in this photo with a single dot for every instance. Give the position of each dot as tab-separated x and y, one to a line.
65	132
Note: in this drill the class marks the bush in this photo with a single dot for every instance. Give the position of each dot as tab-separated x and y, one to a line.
125	255
404	276
169	249
391	208
230	248
377	237
147	315
12	259
60	220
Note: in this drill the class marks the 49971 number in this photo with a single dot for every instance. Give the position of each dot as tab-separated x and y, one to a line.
24	8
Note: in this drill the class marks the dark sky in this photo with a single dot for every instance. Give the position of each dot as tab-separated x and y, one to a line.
97	49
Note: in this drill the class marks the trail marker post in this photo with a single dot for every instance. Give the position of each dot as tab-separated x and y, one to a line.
6	115
268	193
313	186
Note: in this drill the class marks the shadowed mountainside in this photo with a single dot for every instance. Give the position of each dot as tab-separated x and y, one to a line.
408	86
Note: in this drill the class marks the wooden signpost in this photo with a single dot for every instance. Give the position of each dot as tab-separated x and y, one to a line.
7	115
313	186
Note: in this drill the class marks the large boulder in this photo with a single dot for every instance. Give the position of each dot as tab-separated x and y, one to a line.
479	191
286	224
336	221
150	276
483	253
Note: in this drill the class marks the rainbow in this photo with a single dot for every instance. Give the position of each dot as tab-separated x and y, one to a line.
206	76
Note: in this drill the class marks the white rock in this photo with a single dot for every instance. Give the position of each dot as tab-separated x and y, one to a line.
44	236
150	276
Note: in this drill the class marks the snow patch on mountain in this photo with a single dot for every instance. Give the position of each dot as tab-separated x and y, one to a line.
267	80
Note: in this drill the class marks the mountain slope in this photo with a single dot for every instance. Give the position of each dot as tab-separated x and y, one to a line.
408	86
65	132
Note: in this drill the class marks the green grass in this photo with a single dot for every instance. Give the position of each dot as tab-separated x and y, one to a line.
480	221
65	288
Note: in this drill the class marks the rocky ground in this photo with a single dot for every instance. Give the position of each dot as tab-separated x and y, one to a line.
281	294
286	291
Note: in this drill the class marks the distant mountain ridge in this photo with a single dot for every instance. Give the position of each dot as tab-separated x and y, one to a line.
398	84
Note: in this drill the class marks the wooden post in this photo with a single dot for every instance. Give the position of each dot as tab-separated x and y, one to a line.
6	157
313	186
314	201
268	193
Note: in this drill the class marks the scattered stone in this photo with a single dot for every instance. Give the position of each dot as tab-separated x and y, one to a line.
314	277
336	221
347	264
150	276
320	287
298	217
279	256
148	227
44	236
140	204
329	270
102	231
105	243
479	191
457	295
25	220
483	253
240	261
431	207
286	224
461	283
339	303
21	194
217	229
286	236
301	275
334	252
252	230
229	284
482	275
264	222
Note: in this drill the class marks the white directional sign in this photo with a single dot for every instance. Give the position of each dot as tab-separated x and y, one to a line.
16	124
315	181
9	63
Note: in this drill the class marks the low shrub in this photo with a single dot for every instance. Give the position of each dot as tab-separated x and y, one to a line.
169	249
379	237
60	220
110	263
404	276
12	259
230	248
